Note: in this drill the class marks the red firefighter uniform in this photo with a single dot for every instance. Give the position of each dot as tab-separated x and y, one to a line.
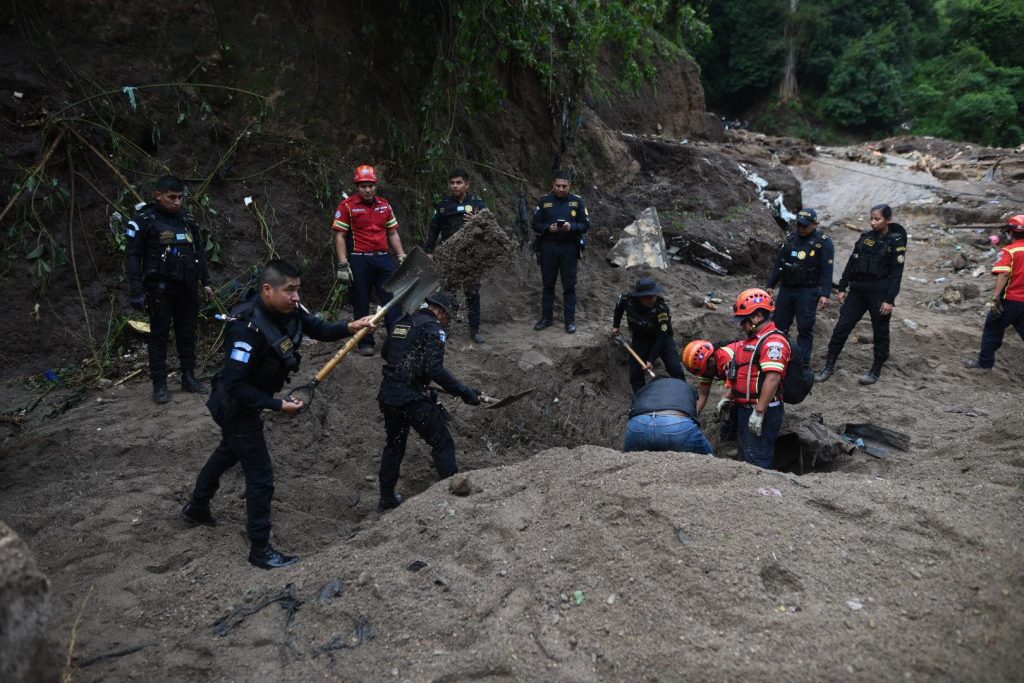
1011	260
369	223
773	356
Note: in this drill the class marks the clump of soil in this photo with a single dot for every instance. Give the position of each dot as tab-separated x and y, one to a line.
477	247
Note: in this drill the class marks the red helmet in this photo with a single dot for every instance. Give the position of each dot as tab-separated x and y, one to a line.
697	355
751	300
365	174
1016	223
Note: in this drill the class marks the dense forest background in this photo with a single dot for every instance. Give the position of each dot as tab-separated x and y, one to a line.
824	68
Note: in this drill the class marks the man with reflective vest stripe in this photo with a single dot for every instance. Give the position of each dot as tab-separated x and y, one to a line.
1007	307
709	363
756	374
370	222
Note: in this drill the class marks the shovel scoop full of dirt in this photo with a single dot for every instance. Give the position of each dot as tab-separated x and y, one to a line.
478	246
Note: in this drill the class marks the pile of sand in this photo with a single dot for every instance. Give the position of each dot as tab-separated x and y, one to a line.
480	245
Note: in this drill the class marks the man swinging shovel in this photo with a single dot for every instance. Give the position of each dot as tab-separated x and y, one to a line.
414	357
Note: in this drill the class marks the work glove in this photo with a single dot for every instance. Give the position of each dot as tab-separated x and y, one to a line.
997	306
756	422
723	406
343	273
472	396
401	259
138	302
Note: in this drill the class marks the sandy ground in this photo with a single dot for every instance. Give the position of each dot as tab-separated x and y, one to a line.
568	560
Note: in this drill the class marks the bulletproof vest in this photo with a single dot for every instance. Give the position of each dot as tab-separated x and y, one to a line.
647	322
169	250
801	261
451	214
873	256
402	365
282	339
554	209
665	393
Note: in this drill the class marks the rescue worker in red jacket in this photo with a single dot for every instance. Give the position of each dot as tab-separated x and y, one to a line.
364	227
756	375
709	363
1008	298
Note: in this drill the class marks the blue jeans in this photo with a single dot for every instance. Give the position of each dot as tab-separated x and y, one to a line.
800	303
665	433
759	450
370	272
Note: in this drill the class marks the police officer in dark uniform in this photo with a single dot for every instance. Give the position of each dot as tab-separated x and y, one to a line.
650	323
804	267
262	350
873	274
560	221
166	263
414	357
450	215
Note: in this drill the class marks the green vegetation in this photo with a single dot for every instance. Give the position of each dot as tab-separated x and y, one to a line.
931	67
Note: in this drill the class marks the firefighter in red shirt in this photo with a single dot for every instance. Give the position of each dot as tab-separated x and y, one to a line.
365	225
1008	298
709	363
756	375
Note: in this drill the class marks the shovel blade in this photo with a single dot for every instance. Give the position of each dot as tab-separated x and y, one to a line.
509	399
415	280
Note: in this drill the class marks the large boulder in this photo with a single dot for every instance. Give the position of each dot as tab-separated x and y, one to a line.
24	613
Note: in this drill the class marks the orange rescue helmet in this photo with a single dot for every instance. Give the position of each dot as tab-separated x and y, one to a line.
697	355
751	300
1016	223
365	174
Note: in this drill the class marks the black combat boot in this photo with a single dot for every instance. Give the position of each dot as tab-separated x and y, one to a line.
873	374
160	393
475	335
826	372
198	514
268	558
388	501
190	384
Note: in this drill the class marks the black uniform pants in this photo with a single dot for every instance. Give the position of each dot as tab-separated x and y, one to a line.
995	327
800	303
170	304
669	356
429	421
242	442
863	297
558	259
472	291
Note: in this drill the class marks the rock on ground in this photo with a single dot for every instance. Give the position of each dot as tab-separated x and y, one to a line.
24	612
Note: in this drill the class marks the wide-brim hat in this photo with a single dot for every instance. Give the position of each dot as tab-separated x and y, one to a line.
646	286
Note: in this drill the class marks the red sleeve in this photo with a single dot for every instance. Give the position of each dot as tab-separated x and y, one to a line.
342	218
1004	264
775	353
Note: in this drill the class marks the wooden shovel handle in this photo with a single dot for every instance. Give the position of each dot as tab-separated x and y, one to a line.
329	366
636	357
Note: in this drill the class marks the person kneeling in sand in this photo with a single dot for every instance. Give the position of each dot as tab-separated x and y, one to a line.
662	419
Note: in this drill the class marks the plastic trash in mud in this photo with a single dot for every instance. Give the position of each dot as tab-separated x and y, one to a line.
578	597
910	324
877	442
771	493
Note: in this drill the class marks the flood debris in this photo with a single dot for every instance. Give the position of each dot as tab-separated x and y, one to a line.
82	662
641	243
332	589
361	632
289	601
